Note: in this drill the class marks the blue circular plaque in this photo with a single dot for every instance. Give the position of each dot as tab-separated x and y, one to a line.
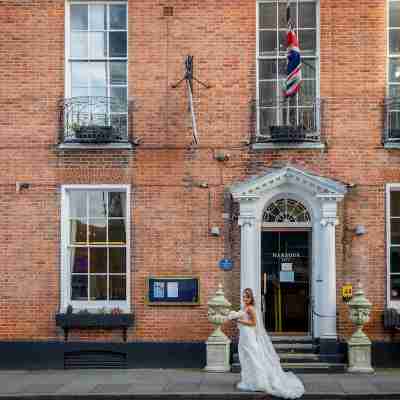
226	264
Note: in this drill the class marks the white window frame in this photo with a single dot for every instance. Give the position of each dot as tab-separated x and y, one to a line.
316	58
67	33
65	275
389	55
390	187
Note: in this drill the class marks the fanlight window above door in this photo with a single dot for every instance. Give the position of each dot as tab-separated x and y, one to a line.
287	211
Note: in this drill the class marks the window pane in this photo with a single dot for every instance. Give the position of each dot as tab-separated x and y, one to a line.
80	92
118	46
118	72
78	232
116	204
307	118
394	14
119	94
307	17
293	112
282	14
307	41
80	73
77	199
267	69
308	69
267	119
79	44
267	15
394	41
79	287
267	93
98	17
120	121
98	74
268	42
97	204
394	70
99	106
394	90
117	260
98	44
117	17
395	287
79	260
98	260
79	17
117	287
98	287
97	231
282	37
395	203
307	92
116	231
395	231
395	259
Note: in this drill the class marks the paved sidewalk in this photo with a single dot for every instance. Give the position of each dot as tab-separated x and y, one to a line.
137	384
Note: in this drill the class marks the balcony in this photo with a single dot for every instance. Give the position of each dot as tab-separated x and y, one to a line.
93	120
391	131
289	125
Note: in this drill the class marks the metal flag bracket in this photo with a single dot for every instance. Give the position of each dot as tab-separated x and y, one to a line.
189	78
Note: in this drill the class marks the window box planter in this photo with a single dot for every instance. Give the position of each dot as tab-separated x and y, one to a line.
93	321
286	133
95	134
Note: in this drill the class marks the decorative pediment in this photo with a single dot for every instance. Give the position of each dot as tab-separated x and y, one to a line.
316	185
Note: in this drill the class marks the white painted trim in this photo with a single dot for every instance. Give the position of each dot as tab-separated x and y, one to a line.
389	188
65	292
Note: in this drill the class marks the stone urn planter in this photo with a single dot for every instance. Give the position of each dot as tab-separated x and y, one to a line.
218	344
359	345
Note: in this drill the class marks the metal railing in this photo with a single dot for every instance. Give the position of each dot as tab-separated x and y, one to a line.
391	131
288	123
95	119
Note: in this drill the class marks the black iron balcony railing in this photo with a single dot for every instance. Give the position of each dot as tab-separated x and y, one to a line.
287	123
391	131
94	119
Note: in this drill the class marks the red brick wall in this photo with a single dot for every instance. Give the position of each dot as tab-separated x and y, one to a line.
170	213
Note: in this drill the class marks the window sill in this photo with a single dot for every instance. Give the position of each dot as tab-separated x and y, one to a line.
90	146
288	146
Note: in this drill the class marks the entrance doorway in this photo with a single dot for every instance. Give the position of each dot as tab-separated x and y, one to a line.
285	279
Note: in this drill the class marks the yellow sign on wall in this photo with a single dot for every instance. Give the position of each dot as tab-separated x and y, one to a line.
347	292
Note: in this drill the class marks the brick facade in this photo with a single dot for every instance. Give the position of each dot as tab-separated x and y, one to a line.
171	212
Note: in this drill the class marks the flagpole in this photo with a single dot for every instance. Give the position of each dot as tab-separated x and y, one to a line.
288	27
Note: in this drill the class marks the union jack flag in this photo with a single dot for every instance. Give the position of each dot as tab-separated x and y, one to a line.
293	71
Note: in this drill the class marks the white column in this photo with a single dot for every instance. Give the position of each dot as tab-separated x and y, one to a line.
326	302
249	248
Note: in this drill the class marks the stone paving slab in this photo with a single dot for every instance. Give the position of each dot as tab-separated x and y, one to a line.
182	385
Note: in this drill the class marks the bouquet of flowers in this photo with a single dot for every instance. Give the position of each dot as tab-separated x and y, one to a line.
236	315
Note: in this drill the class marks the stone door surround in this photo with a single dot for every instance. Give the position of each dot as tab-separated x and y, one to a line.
320	196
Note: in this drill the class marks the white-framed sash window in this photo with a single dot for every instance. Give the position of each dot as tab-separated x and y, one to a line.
96	53
95	246
394	48
393	243
271	62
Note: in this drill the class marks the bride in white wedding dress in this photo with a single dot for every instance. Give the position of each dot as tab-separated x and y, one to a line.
260	364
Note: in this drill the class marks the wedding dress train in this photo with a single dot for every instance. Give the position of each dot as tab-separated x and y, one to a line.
261	367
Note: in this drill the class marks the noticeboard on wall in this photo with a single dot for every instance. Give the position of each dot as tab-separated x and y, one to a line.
173	290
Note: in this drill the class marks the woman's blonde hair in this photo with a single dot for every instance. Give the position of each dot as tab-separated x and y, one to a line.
249	293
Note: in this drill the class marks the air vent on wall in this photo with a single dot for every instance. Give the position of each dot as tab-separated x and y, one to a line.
94	359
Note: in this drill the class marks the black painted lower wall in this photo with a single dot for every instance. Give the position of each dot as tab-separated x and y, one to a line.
52	355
